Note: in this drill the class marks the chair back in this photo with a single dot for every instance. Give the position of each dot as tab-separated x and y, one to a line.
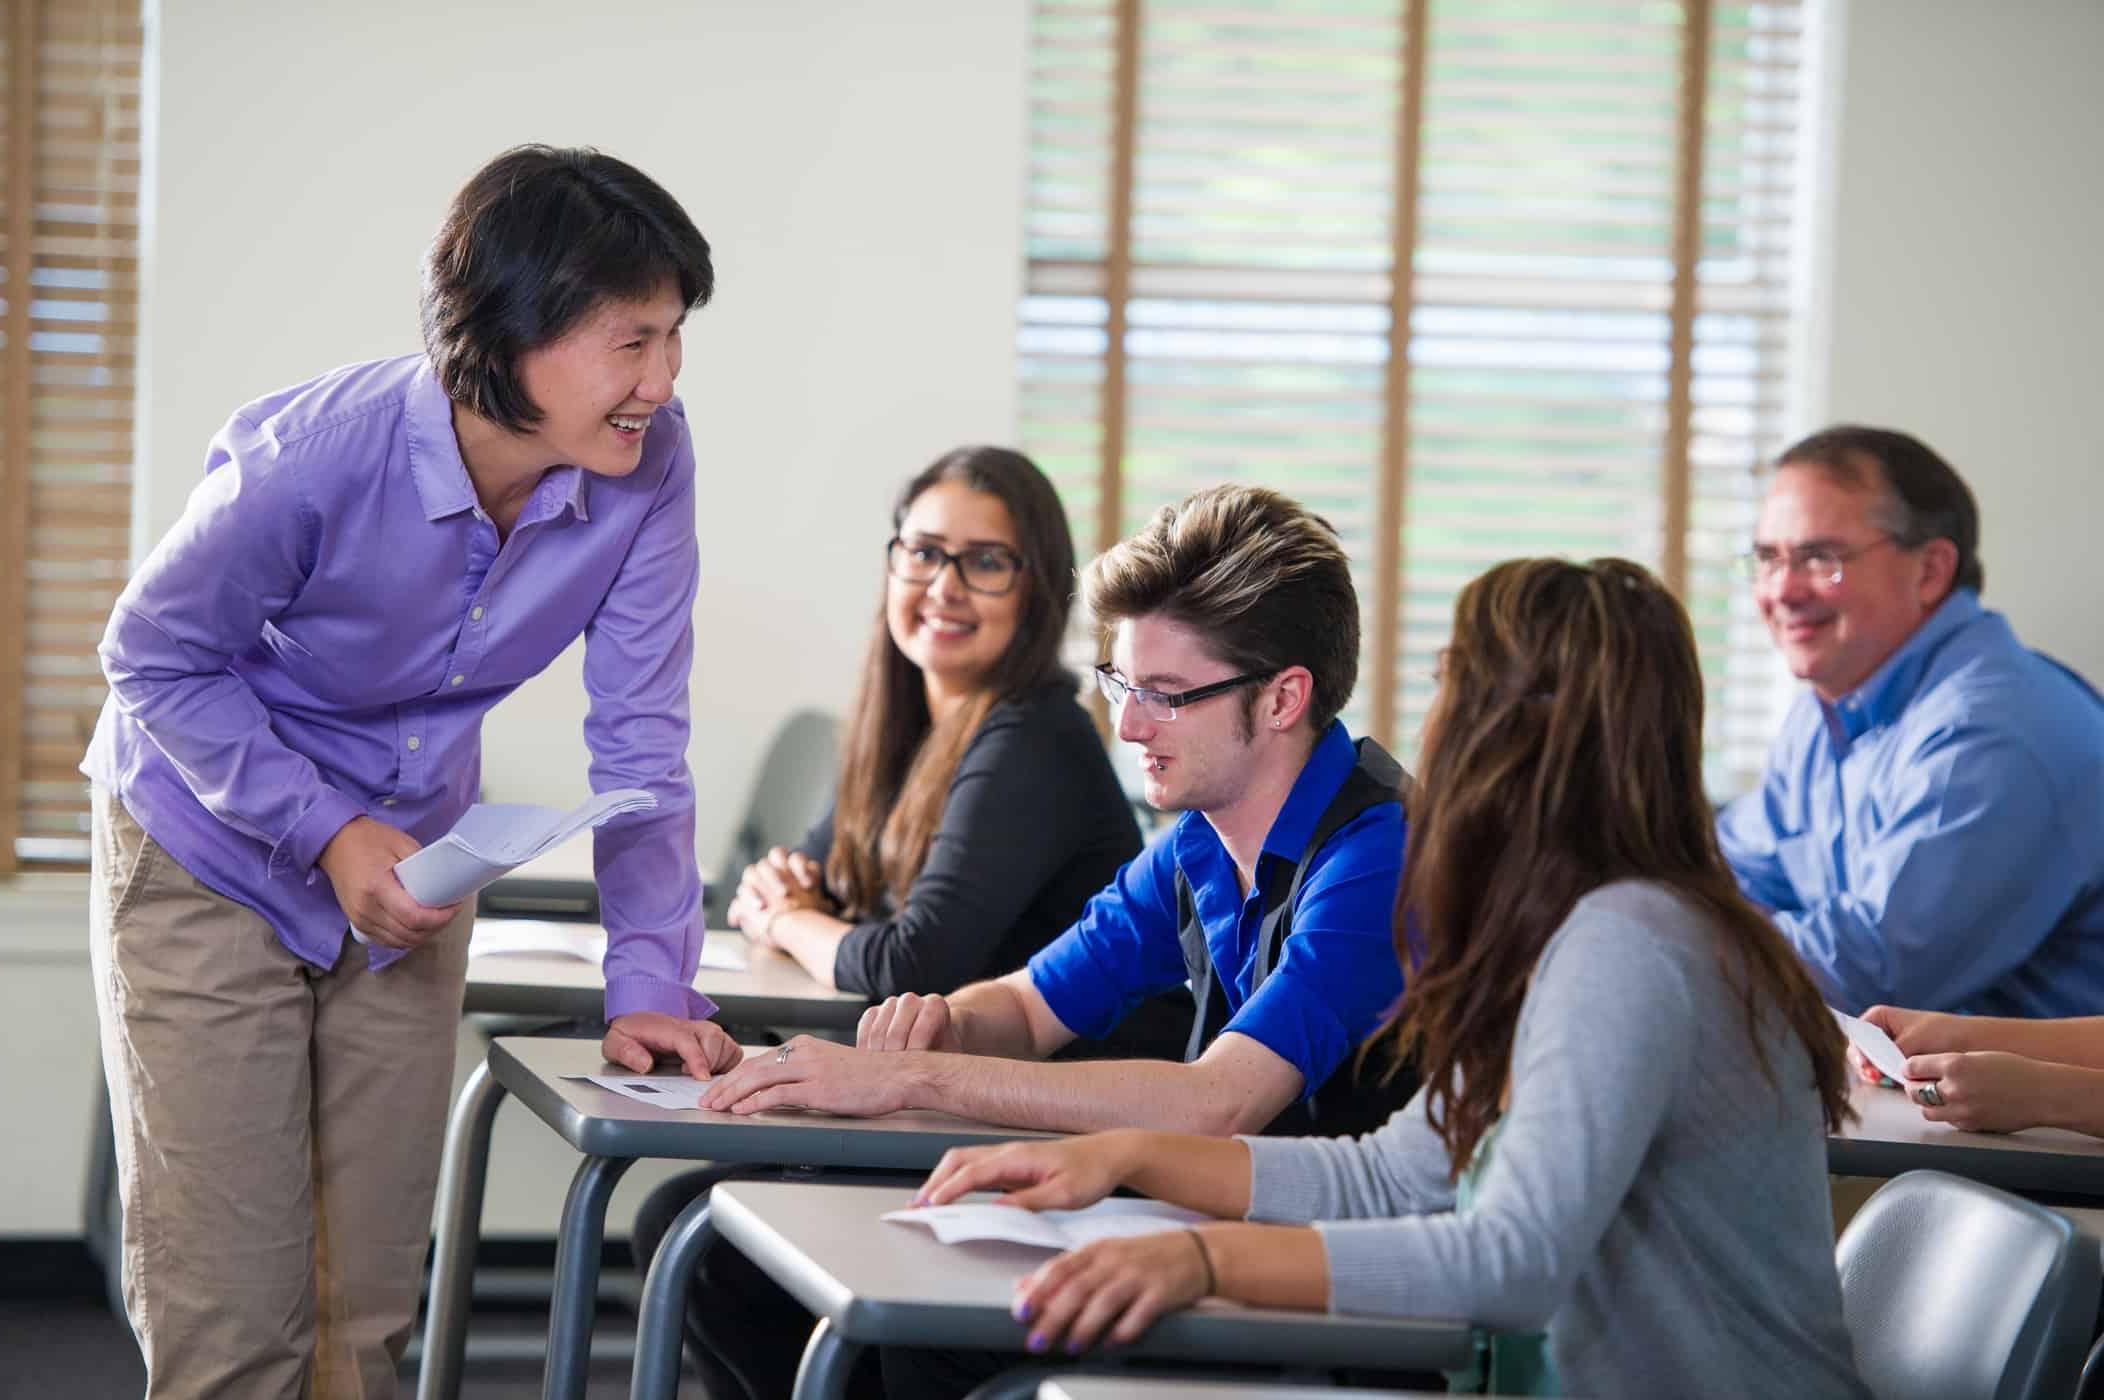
791	789
1957	1291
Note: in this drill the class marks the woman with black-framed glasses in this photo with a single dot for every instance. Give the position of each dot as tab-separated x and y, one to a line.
976	814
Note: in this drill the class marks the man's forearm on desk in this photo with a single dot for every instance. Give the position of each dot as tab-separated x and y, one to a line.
1094	1095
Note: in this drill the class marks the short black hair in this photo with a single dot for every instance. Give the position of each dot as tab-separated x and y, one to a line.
534	241
1926	498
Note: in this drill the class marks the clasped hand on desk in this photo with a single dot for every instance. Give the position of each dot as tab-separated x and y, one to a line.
879	1074
778	883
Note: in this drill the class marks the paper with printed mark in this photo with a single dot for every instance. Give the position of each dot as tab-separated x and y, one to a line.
668	1091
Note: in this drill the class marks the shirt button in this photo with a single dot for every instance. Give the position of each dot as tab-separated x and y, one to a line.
456	680
415	743
475	616
388	801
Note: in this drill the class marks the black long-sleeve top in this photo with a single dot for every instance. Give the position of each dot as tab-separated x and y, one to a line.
1033	825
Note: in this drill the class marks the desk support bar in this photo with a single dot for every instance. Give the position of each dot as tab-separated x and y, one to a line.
660	1321
577	1275
829	1361
460	1182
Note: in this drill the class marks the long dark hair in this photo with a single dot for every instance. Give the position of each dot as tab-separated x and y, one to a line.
897	765
1564	752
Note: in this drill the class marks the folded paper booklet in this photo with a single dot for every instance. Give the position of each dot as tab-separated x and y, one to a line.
1877	1047
492	838
1048	1229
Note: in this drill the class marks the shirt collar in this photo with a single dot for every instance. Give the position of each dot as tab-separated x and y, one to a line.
1884	696
1329	763
441	477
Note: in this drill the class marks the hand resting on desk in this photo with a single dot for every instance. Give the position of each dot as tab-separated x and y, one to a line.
810	1073
635	1042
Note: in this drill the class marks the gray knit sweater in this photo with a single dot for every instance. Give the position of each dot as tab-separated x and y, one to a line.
1653	1202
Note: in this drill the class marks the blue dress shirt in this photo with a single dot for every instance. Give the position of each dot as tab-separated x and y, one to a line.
1337	977
1936	839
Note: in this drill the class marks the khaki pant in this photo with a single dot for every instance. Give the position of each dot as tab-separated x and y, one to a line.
278	1131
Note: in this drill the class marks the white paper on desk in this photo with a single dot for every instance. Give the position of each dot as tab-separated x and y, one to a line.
667	1091
494	938
1048	1229
493	838
722	957
1877	1047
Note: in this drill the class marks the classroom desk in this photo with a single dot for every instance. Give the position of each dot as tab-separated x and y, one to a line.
771	991
1128	1387
1892	1137
875	1283
612	1132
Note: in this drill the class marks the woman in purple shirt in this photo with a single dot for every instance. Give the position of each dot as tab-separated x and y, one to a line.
298	675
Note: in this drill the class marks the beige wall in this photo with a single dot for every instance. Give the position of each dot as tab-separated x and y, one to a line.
1967	276
856	167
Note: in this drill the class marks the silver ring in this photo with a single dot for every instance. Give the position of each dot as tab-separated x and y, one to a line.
781	1056
1929	1095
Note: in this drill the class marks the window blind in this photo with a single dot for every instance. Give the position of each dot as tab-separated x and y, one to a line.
69	279
1466	278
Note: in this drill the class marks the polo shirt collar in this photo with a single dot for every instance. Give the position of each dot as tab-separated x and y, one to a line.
1885	695
1329	764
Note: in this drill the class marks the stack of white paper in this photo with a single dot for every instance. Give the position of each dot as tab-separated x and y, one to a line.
1113	1218
493	838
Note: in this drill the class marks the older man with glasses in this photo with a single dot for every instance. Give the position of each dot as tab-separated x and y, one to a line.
1930	829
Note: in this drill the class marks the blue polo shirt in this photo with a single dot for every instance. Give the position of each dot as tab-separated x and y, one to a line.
1338	976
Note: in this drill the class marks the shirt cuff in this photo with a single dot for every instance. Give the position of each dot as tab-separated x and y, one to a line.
1284	1180
642	992
300	847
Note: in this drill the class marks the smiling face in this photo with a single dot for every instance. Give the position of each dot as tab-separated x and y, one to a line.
1836	635
952	633
598	385
1200	761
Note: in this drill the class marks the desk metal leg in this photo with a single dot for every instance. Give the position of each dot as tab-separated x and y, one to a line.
661	1321
829	1361
577	1276
461	1178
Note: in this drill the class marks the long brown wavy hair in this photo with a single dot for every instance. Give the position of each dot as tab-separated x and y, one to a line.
1562	753
896	765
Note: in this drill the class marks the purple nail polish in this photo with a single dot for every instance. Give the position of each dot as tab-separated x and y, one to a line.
1036	1342
1073	1347
1022	1311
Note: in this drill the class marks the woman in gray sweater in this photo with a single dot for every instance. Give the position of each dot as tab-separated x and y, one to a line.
1617	1163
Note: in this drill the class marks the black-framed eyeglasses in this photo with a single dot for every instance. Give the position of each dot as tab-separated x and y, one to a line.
1162	705
983	568
1821	564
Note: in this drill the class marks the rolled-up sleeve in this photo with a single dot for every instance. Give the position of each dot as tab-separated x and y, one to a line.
638	661
236	559
1122	949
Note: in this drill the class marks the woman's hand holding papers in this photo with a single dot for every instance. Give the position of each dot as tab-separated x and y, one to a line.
635	1041
1992	1091
1914	1032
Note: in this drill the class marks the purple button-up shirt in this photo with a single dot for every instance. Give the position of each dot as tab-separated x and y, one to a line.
321	633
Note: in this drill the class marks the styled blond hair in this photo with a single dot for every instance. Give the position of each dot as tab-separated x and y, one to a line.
1261	578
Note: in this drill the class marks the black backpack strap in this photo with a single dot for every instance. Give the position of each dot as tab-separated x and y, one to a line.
1208	1016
